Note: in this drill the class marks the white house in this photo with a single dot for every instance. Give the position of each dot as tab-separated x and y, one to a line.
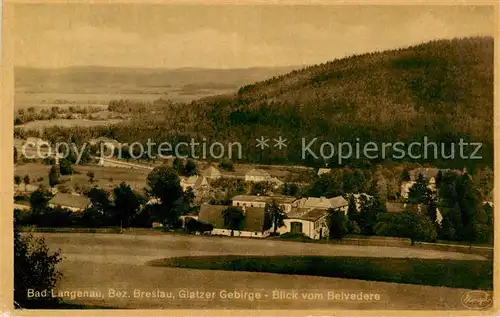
211	173
194	182
429	174
75	203
252	226
308	221
261	201
324	171
257	175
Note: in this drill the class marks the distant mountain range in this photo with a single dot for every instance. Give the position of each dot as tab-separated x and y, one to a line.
442	90
116	79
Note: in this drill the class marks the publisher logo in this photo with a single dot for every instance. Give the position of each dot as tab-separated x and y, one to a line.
476	300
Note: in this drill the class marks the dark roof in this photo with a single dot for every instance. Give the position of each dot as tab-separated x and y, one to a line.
70	200
254	219
212	214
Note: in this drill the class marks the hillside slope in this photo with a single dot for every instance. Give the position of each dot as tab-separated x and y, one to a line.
441	89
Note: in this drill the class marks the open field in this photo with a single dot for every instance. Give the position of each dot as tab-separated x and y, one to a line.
113	262
105	177
477	274
41	124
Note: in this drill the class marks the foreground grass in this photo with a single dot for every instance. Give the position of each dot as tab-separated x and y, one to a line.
469	274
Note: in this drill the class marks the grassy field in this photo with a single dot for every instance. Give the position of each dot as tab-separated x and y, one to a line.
105	177
41	124
435	272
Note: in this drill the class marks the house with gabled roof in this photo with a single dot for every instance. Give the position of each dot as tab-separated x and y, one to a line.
73	202
195	182
244	201
322	171
252	226
211	172
310	222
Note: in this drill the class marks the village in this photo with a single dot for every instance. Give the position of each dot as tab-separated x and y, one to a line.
265	201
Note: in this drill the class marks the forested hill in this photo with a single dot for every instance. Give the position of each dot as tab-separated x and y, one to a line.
441	89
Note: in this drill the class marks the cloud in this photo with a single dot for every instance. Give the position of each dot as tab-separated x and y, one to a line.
244	45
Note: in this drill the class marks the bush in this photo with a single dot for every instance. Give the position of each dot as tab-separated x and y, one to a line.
226	165
34	268
193	225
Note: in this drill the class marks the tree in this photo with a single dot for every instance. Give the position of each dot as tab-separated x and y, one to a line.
446	230
189	196
65	166
439	178
327	185
337	223
34	268
17	180
177	166
164	183
261	188
417	226
190	168
226	165
276	215
91	176
39	200
457	223
15	155
405	176
369	210
27	181
233	218
352	227
127	204
353	180
100	201
290	189
447	189
469	201
352	211
53	176
418	191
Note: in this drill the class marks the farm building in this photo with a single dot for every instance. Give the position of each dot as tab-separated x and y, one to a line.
72	202
194	182
261	201
308	221
252	225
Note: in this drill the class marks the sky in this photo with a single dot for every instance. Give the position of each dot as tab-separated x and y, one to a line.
227	36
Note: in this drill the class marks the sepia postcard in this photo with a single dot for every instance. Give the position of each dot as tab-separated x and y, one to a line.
248	158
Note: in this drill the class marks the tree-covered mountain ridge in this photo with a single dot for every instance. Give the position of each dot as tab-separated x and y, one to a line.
442	90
